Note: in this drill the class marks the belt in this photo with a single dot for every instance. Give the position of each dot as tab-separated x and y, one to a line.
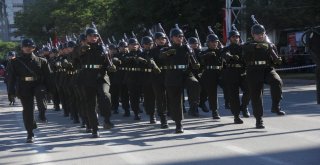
258	63
175	67
70	72
121	68
213	67
163	67
61	70
138	69
28	78
234	65
92	66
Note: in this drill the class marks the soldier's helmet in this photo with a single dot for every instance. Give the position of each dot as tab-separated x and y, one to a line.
54	50
234	33
46	49
112	46
28	42
158	35
133	41
193	40
175	32
82	37
64	45
212	37
71	44
91	31
257	29
146	40
123	44
11	54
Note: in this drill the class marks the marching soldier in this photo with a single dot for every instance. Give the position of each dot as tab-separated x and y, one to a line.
211	62
179	57
157	77
68	82
31	74
113	50
195	45
94	79
59	77
77	85
53	87
10	55
134	76
235	76
149	96
118	87
260	56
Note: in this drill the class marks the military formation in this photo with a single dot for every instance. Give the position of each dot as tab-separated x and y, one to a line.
90	79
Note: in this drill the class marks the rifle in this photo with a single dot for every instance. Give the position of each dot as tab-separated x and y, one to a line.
50	41
114	41
109	42
197	35
162	30
125	37
150	33
192	59
109	62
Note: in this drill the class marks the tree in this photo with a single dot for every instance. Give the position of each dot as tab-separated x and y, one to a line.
36	21
114	17
5	47
282	14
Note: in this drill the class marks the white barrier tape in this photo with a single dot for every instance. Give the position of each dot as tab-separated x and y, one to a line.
298	67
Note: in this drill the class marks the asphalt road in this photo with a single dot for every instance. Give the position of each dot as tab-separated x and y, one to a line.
292	139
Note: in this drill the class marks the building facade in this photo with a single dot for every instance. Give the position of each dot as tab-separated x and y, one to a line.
9	8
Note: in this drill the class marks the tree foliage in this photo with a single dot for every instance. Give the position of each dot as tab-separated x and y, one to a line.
5	47
285	13
115	17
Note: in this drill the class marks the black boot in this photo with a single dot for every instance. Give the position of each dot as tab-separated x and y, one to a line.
42	116
215	114
164	122
137	116
95	134
126	113
30	138
83	124
204	107
153	119
245	111
108	125
35	126
237	120
179	127
278	111
259	123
